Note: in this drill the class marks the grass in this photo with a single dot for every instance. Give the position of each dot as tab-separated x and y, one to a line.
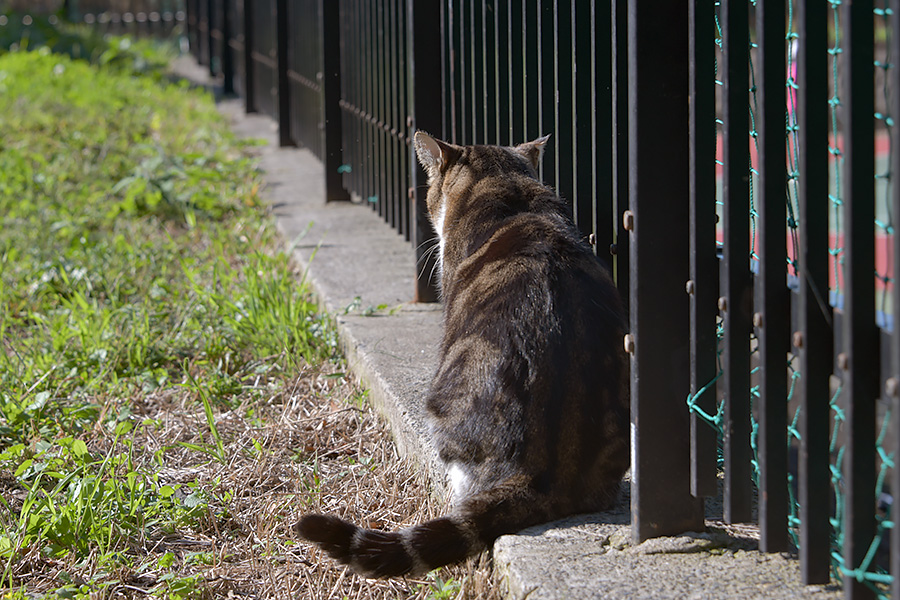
171	399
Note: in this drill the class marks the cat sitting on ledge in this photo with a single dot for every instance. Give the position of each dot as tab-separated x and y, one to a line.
529	405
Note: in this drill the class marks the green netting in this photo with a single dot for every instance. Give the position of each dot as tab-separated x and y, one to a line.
872	570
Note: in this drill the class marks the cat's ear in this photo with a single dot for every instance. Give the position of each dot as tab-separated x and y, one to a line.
533	150
433	154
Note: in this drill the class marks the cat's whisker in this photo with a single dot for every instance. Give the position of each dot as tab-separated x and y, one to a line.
424	259
435	267
428	241
429	251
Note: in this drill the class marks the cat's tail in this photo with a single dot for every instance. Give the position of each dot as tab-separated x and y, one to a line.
474	526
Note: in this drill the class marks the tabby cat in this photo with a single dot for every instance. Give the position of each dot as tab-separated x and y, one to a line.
529	405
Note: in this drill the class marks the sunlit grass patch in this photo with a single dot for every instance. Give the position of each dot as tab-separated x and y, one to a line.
139	274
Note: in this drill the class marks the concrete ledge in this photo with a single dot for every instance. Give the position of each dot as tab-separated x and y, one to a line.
592	557
362	272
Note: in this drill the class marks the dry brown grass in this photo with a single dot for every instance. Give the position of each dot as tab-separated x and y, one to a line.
322	449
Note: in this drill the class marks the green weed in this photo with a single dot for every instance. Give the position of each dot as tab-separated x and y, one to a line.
442	589
136	262
78	504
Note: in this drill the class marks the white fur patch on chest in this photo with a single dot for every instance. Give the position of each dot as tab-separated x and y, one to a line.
439	229
460	482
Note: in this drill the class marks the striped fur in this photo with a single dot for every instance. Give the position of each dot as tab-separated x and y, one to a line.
529	404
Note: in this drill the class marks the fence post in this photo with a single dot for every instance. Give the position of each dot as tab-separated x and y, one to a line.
192	18
602	141
737	297
815	340
860	335
331	126
661	500
620	258
772	320
281	68
211	8
249	68
703	287
227	59
425	93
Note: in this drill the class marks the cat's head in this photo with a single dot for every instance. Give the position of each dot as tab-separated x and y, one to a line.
452	169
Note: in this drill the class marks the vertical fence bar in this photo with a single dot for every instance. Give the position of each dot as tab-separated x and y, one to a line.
476	71
387	173
332	125
704	283
250	103
395	190
225	9
815	340
207	10
448	68
736	301
364	70
661	501
381	65
281	78
503	70
380	118
605	218
234	44
516	54
398	127
370	109
373	165
860	335
454	93
354	10
489	73
424	64
202	30
216	49
464	106
356	14
547	86
216	40
367	25
407	215
400	108
384	119
564	57
192	10
772	321
585	111
894	387
531	74
620	111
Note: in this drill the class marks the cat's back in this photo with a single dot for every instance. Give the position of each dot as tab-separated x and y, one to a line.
532	355
527	265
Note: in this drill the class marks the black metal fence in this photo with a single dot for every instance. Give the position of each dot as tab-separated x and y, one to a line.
707	161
